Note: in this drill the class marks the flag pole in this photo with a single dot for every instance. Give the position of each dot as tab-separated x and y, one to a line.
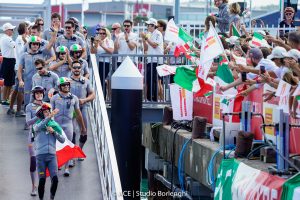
82	13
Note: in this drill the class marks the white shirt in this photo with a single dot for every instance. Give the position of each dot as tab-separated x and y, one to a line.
108	43
124	48
269	66
19	49
280	71
7	46
157	38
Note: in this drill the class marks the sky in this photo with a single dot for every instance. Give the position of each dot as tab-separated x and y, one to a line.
255	3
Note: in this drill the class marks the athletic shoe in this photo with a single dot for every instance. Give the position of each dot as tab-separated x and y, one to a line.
80	159
34	192
5	103
20	114
10	111
72	163
26	127
51	197
67	172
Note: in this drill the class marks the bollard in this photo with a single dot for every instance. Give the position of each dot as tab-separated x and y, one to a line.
126	123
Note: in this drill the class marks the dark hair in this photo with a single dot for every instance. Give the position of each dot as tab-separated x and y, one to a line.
265	51
37	27
294	37
70	22
76	61
245	48
207	24
224	43
128	21
39	61
38	20
55	15
163	24
22	28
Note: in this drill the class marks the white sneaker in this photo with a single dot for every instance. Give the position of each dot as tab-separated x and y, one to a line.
34	192
67	172
72	163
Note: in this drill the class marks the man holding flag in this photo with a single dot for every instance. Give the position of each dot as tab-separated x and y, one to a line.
47	131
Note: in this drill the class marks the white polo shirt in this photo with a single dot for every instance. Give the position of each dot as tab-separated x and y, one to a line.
157	38
19	49
124	49
7	46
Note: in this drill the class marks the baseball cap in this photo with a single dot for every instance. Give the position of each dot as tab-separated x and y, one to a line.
256	53
7	26
232	39
152	21
277	52
293	53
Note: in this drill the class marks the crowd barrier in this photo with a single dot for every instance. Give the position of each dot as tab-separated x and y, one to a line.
100	127
156	89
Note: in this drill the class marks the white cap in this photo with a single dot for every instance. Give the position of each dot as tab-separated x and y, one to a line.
293	53
277	52
232	39
29	23
7	26
152	21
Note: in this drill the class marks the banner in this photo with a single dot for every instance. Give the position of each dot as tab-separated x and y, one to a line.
182	103
237	181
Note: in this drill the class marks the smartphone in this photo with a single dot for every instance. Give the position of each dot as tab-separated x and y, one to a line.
262	69
244	76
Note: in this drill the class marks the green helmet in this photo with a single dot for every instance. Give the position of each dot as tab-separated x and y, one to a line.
34	39
63	81
61	49
75	47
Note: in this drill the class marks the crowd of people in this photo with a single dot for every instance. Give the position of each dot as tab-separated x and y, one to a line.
48	71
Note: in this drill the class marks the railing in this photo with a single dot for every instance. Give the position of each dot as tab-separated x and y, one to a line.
156	89
195	29
107	163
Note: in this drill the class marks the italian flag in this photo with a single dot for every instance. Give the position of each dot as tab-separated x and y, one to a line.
291	188
67	151
224	72
237	181
235	31
186	78
257	39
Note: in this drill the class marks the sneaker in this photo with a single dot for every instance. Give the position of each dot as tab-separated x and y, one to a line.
10	111
20	114
67	172
80	159
26	127
34	192
72	163
5	103
51	197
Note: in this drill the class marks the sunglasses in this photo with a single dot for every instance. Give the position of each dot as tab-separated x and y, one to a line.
102	33
114	29
288	14
126	25
63	53
151	25
68	27
77	52
64	85
76	67
35	43
39	68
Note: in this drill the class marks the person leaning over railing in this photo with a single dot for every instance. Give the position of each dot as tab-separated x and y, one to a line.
103	45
